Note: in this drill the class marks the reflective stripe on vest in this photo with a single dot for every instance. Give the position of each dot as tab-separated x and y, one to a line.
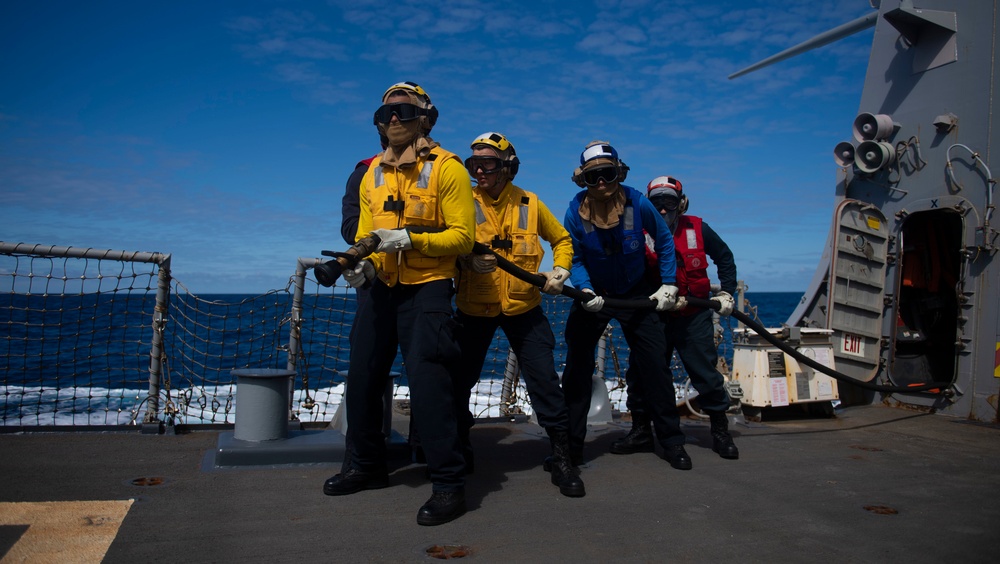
489	294
480	216
692	261
407	198
425	175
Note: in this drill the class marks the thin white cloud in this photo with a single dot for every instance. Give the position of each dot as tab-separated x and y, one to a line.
605	44
292	90
300	73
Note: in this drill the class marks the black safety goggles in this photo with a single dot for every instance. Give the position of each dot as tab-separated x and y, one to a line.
402	111
667	203
488	165
608	174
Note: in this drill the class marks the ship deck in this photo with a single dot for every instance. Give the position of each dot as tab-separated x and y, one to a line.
873	483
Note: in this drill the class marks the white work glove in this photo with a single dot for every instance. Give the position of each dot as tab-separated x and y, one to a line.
726	302
361	274
483	264
554	280
595	304
682	303
665	297
393	240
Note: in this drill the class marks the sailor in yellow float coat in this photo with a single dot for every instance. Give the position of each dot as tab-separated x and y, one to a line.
436	202
512	221
512	226
413	183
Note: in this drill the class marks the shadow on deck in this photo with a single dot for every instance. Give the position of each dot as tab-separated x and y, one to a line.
872	483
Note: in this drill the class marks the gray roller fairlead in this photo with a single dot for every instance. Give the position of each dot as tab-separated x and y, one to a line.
262	403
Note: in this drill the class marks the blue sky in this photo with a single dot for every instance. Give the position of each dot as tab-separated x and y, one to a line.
223	132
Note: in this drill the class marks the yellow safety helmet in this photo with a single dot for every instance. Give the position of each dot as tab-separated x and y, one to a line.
495	140
501	144
425	99
408	86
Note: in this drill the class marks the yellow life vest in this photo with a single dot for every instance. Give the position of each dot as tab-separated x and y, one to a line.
515	238
408	197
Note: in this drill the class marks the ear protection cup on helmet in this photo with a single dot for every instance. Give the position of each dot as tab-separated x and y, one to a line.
600	151
513	165
499	142
432	112
673	184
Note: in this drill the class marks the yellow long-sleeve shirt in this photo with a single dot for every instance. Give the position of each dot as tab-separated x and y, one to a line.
521	219
455	213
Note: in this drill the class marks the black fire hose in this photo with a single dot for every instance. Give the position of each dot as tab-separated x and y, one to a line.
328	272
934	388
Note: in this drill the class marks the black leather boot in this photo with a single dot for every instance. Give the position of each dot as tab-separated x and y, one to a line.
677	457
353	481
441	508
564	473
575	457
639	439
722	441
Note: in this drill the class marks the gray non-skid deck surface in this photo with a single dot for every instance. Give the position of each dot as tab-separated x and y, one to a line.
798	493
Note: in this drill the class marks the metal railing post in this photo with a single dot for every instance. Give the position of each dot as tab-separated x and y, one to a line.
509	384
295	332
600	401
156	349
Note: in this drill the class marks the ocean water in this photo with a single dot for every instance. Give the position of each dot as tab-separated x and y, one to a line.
773	308
84	359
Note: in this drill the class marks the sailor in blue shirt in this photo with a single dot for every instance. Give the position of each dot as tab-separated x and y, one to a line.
606	223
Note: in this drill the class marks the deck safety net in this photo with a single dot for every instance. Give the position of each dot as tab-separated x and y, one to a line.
95	338
74	337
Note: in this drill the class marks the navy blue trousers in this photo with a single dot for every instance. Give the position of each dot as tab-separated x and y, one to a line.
419	319
531	338
693	337
643	332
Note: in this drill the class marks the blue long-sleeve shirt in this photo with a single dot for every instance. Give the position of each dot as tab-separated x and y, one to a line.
611	261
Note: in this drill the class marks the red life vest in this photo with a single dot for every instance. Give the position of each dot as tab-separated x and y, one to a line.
692	261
